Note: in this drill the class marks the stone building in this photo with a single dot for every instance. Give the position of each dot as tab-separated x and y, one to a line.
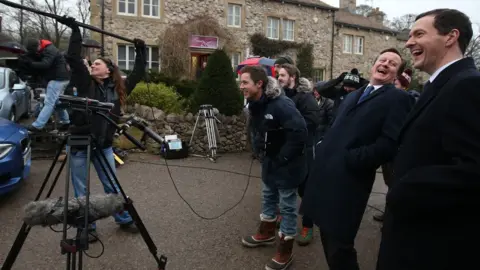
342	40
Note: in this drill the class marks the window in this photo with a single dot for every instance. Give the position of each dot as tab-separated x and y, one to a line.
2	79
353	44
151	8
273	28
288	29
317	75
127	7
347	43
126	57
234	18
358	45
235	60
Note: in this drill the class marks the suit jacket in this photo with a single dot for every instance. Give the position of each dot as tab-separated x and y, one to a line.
363	137
431	221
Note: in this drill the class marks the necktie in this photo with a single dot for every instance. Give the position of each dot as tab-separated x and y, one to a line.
366	93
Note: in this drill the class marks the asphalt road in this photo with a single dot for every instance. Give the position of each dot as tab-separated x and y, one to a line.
188	241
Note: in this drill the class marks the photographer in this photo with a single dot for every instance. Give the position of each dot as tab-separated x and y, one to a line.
105	84
44	59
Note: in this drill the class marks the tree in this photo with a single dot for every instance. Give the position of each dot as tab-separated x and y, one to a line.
363	10
305	60
403	22
218	86
83	10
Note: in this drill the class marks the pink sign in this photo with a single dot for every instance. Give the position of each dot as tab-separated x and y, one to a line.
203	42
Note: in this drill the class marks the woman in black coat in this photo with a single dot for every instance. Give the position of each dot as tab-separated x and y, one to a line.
105	84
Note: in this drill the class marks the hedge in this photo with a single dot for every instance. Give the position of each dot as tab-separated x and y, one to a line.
157	95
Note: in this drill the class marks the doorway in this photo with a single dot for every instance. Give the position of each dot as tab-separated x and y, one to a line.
197	60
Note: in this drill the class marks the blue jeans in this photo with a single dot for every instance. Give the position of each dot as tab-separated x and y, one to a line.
286	199
79	176
53	91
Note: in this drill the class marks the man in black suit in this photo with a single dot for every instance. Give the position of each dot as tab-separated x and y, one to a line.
431	217
363	137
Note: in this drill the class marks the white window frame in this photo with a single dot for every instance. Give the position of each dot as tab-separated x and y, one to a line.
284	30
128	60
151	9
126	13
232	57
321	73
347	43
358	45
270	28
234	15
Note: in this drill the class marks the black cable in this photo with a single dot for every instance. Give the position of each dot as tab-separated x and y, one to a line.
101	252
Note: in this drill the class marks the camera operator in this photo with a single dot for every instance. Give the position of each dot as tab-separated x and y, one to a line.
105	84
45	59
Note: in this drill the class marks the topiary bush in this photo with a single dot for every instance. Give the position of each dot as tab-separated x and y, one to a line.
158	96
218	86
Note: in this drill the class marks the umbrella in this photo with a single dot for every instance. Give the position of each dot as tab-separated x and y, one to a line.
12	47
91	43
259	61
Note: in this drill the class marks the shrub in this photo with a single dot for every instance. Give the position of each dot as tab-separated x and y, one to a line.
218	86
156	95
185	87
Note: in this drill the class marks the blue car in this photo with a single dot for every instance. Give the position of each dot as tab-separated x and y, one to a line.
15	155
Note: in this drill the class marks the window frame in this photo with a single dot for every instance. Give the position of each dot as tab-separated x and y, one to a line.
284	29
355	45
233	15
126	13
151	9
349	46
272	18
128	60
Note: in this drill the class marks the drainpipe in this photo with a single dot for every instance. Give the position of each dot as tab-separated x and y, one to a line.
332	45
102	17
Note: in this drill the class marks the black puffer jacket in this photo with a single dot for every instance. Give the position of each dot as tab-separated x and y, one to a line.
87	86
306	104
51	64
326	116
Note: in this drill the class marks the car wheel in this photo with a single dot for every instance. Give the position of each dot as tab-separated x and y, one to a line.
27	113
11	116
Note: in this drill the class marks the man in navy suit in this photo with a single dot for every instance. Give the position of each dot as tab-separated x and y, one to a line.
431	217
363	136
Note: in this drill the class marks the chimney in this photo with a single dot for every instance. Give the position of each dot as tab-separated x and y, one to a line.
377	15
349	5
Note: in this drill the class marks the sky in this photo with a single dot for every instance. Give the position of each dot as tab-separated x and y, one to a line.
397	8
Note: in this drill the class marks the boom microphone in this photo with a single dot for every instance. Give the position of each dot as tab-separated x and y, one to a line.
51	211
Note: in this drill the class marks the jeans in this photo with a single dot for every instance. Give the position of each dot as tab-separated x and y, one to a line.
79	176
53	91
286	199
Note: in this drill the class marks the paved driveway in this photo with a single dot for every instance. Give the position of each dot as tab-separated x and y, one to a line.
188	241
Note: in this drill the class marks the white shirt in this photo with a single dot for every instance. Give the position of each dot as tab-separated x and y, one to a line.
435	74
375	87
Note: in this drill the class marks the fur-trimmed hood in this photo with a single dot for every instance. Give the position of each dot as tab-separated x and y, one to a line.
304	85
273	89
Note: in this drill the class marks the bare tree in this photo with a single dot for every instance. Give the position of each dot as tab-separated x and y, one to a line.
83	10
363	10
473	50
403	22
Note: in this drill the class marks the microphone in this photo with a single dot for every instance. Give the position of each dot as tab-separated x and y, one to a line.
51	211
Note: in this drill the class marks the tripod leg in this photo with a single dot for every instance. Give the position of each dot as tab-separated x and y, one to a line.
162	261
25	229
194	127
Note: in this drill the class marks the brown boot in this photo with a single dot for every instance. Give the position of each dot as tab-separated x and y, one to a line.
284	257
264	236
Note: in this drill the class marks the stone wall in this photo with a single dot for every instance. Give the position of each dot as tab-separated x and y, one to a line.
231	129
374	43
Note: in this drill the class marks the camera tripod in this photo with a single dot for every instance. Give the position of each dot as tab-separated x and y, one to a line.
211	127
75	247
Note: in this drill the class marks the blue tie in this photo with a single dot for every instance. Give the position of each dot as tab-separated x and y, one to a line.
366	93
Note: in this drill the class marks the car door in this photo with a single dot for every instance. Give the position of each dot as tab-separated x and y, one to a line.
18	95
